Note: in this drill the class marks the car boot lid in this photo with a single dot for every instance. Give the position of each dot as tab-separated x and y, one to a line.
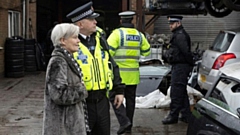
232	70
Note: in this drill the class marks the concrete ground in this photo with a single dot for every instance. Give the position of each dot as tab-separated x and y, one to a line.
21	110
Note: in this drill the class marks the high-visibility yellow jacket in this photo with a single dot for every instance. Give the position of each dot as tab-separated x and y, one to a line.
97	74
126	47
101	31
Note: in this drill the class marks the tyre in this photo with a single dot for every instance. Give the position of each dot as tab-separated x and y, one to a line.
29	47
10	56
29	41
14	57
15	74
30	63
13	62
10	42
30	68
30	58
29	44
29	52
216	8
18	68
232	4
18	49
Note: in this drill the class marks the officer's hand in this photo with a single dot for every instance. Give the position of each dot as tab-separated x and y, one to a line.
118	100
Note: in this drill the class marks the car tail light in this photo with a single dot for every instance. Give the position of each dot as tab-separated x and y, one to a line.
222	59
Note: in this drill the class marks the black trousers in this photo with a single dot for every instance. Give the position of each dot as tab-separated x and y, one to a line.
178	94
125	114
99	116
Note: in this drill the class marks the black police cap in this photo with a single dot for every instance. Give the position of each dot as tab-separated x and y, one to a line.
85	11
174	18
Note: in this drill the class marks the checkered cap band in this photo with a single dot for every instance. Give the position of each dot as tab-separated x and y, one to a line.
174	19
83	15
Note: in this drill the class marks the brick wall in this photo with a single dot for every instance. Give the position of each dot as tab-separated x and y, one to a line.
33	15
3	35
15	5
5	5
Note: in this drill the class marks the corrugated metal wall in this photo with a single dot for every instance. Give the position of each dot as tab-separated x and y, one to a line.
202	29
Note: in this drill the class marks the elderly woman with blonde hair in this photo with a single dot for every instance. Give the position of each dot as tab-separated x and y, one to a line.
65	110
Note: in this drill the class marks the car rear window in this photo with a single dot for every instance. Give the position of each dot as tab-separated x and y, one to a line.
222	42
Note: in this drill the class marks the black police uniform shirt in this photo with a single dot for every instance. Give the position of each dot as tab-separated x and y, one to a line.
89	42
180	47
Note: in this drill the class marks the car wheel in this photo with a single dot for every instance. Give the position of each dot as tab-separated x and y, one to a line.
216	8
232	4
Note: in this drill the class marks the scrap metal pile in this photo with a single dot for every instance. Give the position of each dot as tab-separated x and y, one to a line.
158	39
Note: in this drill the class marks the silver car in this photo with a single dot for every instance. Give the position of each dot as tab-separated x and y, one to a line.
224	50
218	113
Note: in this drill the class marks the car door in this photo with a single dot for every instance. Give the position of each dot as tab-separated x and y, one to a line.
216	113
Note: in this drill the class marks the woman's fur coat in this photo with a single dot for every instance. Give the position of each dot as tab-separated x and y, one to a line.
64	93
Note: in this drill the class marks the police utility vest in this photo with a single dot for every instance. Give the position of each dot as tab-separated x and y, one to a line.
97	74
127	54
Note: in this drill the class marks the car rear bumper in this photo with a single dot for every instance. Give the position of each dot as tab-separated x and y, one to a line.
207	78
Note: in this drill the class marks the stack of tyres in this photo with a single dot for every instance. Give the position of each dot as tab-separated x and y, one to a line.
30	55
14	57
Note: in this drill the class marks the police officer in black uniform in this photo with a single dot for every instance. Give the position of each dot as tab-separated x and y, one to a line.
179	55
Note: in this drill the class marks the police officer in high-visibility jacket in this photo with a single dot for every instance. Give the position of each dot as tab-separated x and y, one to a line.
100	72
127	44
101	31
